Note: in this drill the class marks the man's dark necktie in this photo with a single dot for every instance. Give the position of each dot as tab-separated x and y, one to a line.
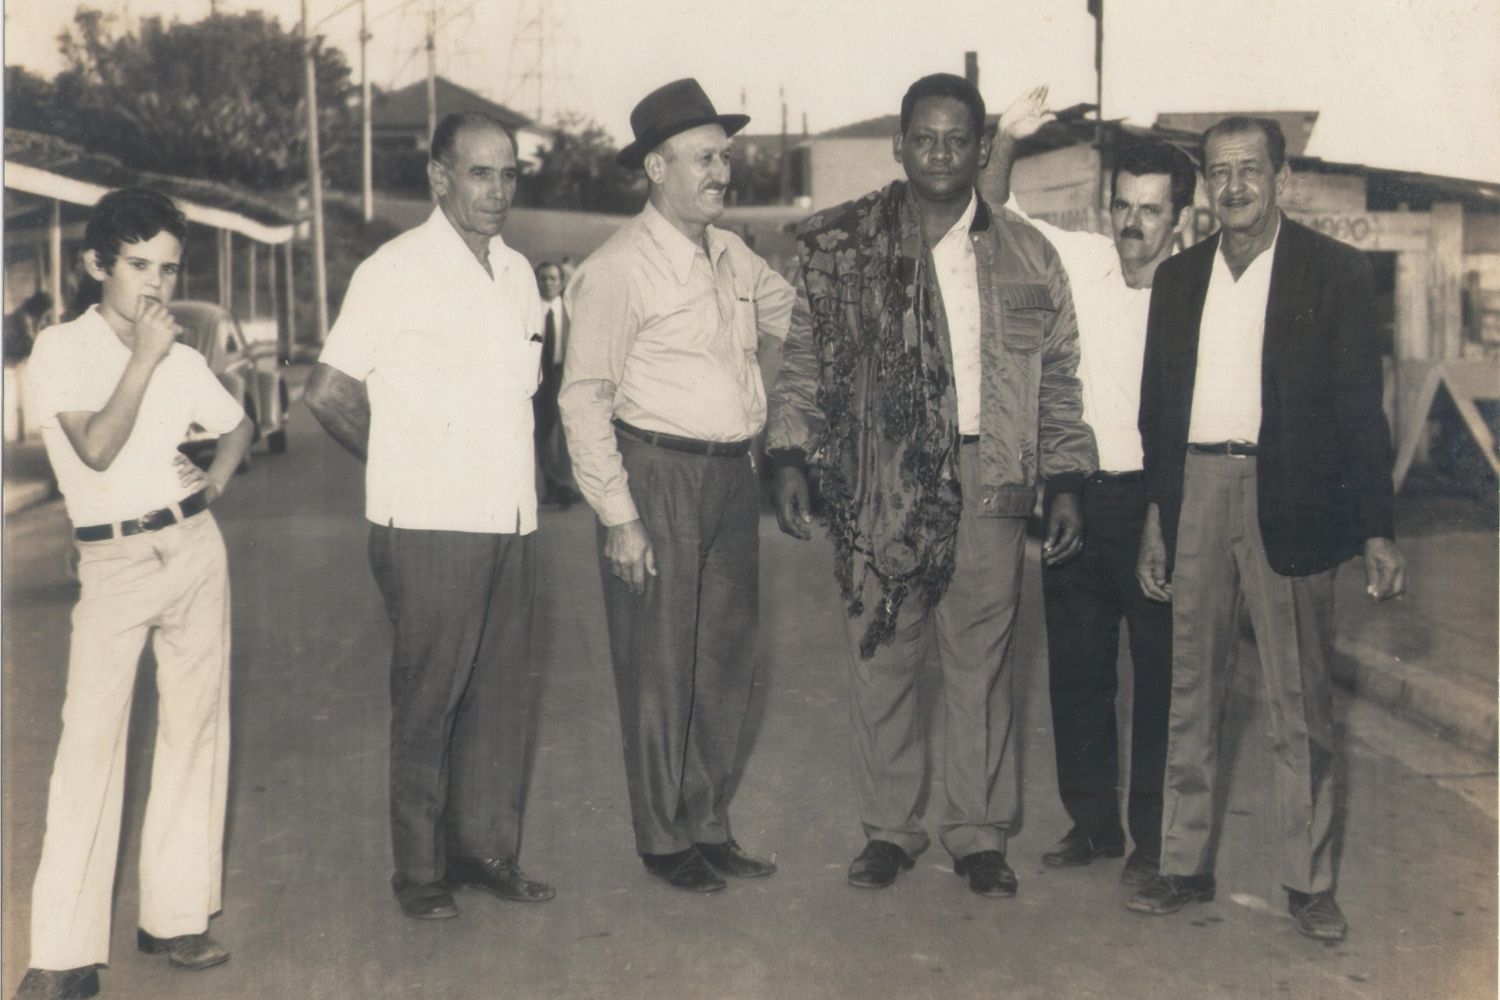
549	342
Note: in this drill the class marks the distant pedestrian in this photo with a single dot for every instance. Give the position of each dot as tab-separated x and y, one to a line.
661	399
427	378
113	393
551	448
1151	202
929	374
22	326
1268	463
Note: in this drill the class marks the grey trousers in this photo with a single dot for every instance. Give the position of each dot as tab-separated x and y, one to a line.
1221	568
462	688
684	650
974	623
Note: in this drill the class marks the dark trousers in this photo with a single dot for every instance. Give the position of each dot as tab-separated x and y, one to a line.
554	467
462	689
683	650
1086	598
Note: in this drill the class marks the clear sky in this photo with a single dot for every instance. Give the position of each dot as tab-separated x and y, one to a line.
1409	84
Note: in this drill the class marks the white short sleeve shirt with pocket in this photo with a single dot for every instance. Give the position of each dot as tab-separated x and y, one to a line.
451	356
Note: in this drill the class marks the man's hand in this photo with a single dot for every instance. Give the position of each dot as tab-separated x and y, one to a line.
155	330
1385	569
1151	564
189	475
793	508
628	550
1064	530
1026	114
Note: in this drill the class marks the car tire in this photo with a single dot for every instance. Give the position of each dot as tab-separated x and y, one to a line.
276	442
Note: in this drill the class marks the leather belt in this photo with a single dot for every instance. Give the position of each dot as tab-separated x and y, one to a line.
1234	449
968	439
152	521
1133	476
672	442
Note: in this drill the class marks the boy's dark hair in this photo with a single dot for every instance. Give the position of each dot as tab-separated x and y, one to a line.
1268	127
131	215
1155	157
944	85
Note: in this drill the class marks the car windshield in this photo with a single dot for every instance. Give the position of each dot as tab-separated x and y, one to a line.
198	328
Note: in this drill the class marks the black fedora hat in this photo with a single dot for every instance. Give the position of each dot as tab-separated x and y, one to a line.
669	109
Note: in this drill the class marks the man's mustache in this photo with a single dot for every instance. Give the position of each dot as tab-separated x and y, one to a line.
1132	233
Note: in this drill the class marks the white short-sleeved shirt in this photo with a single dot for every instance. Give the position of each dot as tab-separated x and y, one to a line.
75	367
451	357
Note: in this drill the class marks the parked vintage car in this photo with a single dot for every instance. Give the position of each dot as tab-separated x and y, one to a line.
248	371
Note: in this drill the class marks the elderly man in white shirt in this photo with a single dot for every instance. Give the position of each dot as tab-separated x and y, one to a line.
427	377
1151	198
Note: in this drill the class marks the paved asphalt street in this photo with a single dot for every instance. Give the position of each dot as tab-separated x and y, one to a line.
309	914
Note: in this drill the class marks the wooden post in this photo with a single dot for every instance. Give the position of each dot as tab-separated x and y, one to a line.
1444	281
226	298
250	262
288	333
55	251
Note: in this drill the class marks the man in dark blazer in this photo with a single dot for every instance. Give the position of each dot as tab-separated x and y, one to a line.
1268	463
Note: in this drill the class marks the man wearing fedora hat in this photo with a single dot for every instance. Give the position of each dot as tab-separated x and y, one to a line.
661	398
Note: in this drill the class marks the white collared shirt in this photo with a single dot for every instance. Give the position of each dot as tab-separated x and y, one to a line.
958	284
1231	336
663	335
75	367
451	357
1111	338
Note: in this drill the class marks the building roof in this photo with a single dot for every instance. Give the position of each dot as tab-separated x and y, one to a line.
1297	126
44	166
406	109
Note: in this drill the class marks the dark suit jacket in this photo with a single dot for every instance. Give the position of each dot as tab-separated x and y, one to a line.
1324	466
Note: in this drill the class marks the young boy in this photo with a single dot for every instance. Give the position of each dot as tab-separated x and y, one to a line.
113	393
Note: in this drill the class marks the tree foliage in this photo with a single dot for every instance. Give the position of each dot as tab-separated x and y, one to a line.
578	171
220	98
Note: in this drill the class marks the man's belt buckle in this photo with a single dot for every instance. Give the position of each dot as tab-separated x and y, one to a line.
152	521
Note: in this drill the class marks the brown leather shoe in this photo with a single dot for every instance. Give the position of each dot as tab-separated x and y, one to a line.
1170	893
1139	869
686	870
1317	915
988	874
729	858
186	951
500	877
878	865
59	984
424	900
1078	849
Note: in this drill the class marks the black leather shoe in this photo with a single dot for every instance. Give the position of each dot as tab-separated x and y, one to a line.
186	951
686	870
878	865
1317	915
988	874
1139	869
424	900
1078	849
730	859
500	877
59	984
1170	893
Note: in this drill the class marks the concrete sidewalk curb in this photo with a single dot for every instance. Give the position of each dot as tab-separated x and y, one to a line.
1422	692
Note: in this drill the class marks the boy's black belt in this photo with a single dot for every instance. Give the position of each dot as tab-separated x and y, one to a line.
1237	449
672	442
152	521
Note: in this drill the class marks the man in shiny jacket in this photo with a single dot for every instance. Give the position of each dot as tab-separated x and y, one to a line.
929	377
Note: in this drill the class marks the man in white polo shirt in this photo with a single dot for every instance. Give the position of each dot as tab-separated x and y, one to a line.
427	377
1151	200
113	394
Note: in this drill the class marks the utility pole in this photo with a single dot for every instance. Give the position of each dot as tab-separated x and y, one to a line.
367	166
1096	9
786	153
315	179
432	69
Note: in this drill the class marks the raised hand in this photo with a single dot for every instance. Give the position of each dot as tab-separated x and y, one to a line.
1026	114
155	330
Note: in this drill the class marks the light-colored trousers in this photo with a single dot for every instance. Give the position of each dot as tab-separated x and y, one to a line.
1220	568
177	581
974	622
